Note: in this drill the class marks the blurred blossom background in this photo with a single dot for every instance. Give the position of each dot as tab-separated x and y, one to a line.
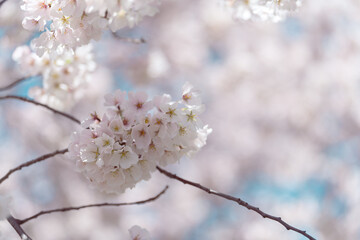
283	100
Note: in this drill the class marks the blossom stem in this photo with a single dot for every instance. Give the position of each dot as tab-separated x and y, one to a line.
42	105
16	225
94	205
13	84
237	200
29	163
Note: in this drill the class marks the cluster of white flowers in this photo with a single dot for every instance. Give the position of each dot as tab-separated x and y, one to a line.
274	10
68	24
134	135
139	233
64	76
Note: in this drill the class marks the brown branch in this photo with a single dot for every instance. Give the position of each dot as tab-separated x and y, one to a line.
29	163
13	84
16	225
237	200
40	104
130	40
2	2
93	205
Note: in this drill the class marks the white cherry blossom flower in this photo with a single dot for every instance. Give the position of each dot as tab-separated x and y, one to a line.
141	136
138	233
191	96
90	153
116	99
128	119
133	173
114	179
32	24
126	157
147	167
117	126
158	125
138	102
105	143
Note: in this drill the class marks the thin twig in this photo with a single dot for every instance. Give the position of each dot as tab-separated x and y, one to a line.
29	163
130	40
40	104
237	200
94	205
16	225
2	2
13	84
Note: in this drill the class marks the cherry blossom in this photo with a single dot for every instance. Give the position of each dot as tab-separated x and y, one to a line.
118	150
139	233
74	23
64	76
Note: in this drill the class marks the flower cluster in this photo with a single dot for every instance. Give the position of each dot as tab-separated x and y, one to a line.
63	76
134	135
68	24
274	10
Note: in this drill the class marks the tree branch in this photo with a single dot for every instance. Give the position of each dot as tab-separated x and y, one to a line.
16	225
42	105
29	163
237	200
13	84
93	205
2	2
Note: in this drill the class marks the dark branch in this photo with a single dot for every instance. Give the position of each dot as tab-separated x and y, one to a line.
237	200
130	40
2	2
29	163
13	84
42	105
16	225
93	205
